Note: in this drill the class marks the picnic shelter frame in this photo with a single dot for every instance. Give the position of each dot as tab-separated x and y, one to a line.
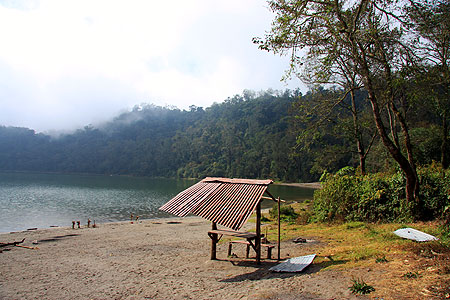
227	202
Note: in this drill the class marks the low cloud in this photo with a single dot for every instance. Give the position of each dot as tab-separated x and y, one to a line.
65	64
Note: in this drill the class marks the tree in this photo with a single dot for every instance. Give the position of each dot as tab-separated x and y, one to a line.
430	20
368	36
338	118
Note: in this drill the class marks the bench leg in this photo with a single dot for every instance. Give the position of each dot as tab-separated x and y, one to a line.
269	253
214	240
230	245
247	251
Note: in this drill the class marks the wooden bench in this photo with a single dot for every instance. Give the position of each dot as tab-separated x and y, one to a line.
250	241
233	233
247	251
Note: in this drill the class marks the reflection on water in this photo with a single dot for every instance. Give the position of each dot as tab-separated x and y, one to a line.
43	200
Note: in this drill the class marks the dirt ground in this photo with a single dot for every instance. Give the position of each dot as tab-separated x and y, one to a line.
153	259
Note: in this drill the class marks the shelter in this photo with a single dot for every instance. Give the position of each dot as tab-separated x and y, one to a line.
227	202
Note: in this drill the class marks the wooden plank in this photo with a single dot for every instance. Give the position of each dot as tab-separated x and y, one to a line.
248	244
11	244
26	247
237	180
238	234
270	198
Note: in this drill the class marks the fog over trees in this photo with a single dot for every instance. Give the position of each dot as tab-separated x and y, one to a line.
254	135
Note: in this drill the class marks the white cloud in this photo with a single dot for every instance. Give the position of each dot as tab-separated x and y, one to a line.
71	62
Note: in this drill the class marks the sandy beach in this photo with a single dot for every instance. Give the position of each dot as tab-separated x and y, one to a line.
153	259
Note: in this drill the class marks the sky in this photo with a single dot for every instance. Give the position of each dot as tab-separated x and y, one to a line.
65	64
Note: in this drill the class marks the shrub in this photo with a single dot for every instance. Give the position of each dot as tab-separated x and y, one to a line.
435	190
337	197
348	196
361	287
410	275
287	213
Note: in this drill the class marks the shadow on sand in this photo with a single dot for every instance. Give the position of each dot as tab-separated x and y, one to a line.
57	238
263	272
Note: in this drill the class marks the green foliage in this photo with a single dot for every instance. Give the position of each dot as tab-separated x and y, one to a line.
247	135
353	225
287	213
361	287
446	226
411	275
347	196
427	143
264	219
354	44
381	260
435	190
326	132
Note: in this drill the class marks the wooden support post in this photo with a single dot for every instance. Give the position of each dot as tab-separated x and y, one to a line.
269	253
258	233
213	242
279	227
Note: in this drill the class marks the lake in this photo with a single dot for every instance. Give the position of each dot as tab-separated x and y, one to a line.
29	200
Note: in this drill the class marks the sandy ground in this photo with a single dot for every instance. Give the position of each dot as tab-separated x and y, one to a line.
153	259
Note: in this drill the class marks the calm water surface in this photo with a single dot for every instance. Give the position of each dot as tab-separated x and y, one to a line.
43	200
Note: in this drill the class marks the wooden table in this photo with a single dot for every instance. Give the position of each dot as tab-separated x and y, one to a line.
233	233
254	239
216	235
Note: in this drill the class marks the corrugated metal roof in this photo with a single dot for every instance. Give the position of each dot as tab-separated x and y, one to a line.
414	234
228	202
296	264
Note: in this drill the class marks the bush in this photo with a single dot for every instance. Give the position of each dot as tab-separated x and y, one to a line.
348	196
359	286
435	190
287	213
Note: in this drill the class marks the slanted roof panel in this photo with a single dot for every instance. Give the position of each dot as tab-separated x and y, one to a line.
296	264
231	205
183	203
228	202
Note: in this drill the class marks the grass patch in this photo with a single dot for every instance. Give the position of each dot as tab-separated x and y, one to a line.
373	252
380	260
353	225
411	275
359	286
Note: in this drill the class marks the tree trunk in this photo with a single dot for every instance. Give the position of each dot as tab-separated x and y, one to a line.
409	152
408	170
406	164
445	160
362	164
358	137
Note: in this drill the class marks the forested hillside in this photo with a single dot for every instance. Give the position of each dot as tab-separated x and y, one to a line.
245	136
280	135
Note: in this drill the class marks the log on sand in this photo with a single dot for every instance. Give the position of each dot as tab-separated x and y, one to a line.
11	244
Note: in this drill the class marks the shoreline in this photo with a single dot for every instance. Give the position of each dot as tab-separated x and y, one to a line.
167	258
12	228
308	185
313	185
84	226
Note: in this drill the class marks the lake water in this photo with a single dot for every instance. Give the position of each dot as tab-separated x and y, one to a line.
29	200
